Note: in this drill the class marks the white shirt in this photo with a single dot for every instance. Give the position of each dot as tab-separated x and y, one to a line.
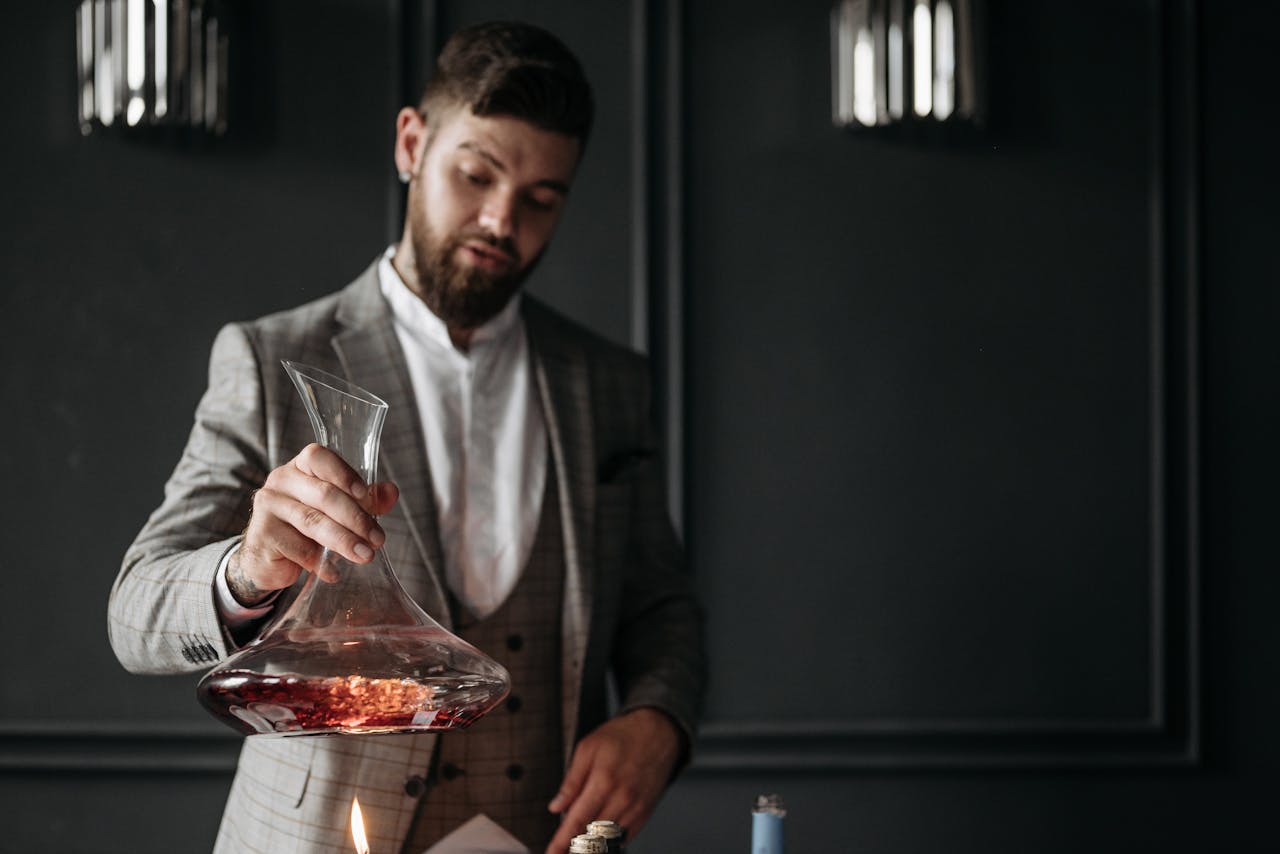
486	447
486	441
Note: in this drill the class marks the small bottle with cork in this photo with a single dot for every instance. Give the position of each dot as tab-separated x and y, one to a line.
611	832
766	825
587	844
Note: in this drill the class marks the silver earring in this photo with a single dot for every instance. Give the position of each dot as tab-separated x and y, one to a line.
405	175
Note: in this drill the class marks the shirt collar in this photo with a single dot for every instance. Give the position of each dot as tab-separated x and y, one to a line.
412	312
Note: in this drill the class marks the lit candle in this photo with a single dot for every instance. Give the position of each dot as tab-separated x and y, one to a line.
357	828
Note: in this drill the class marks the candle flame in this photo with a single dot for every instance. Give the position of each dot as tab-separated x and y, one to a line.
357	828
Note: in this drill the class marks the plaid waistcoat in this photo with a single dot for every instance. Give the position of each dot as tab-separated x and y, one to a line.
509	764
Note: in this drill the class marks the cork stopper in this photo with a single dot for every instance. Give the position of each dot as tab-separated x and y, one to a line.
769	805
606	828
585	844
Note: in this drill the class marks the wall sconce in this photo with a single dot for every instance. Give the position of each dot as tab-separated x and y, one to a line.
903	61
149	63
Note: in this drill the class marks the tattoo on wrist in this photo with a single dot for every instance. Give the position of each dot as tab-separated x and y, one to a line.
242	587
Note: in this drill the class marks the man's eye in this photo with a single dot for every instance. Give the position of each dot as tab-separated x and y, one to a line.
539	204
474	178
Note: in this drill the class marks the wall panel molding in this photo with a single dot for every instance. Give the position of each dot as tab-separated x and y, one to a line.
1169	733
415	32
161	747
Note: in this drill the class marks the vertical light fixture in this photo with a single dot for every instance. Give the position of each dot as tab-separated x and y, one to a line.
845	20
160	54
101	66
903	61
922	52
151	63
87	108
896	51
136	62
944	61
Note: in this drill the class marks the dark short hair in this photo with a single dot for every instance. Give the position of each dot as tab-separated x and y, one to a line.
511	69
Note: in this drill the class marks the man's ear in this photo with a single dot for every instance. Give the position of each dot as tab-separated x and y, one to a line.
411	137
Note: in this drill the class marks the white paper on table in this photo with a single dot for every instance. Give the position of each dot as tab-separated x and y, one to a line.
478	835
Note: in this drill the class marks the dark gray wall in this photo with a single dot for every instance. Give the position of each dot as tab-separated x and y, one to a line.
975	430
940	377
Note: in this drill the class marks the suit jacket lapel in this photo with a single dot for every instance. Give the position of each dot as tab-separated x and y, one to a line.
560	370
372	358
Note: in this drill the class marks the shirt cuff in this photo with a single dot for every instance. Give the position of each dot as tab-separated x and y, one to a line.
234	615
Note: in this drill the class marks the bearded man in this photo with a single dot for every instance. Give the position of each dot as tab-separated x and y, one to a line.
527	514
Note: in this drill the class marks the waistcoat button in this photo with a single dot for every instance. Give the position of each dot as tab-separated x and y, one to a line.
515	642
415	786
515	772
450	771
514	704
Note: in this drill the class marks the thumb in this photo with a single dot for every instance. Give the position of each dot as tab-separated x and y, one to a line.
573	780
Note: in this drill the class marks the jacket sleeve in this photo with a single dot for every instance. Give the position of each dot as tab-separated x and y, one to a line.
659	656
161	614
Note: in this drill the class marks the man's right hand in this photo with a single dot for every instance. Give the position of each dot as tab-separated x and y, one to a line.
311	503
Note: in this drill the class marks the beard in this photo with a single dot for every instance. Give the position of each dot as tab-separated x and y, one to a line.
463	297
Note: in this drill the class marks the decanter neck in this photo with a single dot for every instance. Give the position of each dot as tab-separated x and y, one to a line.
346	419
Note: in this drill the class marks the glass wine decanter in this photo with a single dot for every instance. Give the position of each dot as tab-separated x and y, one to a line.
357	655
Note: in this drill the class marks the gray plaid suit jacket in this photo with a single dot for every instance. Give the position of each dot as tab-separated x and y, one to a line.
628	602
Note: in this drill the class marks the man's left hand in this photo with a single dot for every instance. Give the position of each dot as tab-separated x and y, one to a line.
617	772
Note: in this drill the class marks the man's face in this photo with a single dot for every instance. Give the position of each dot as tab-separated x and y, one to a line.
482	207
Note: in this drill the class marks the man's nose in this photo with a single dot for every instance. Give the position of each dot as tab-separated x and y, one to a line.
498	215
